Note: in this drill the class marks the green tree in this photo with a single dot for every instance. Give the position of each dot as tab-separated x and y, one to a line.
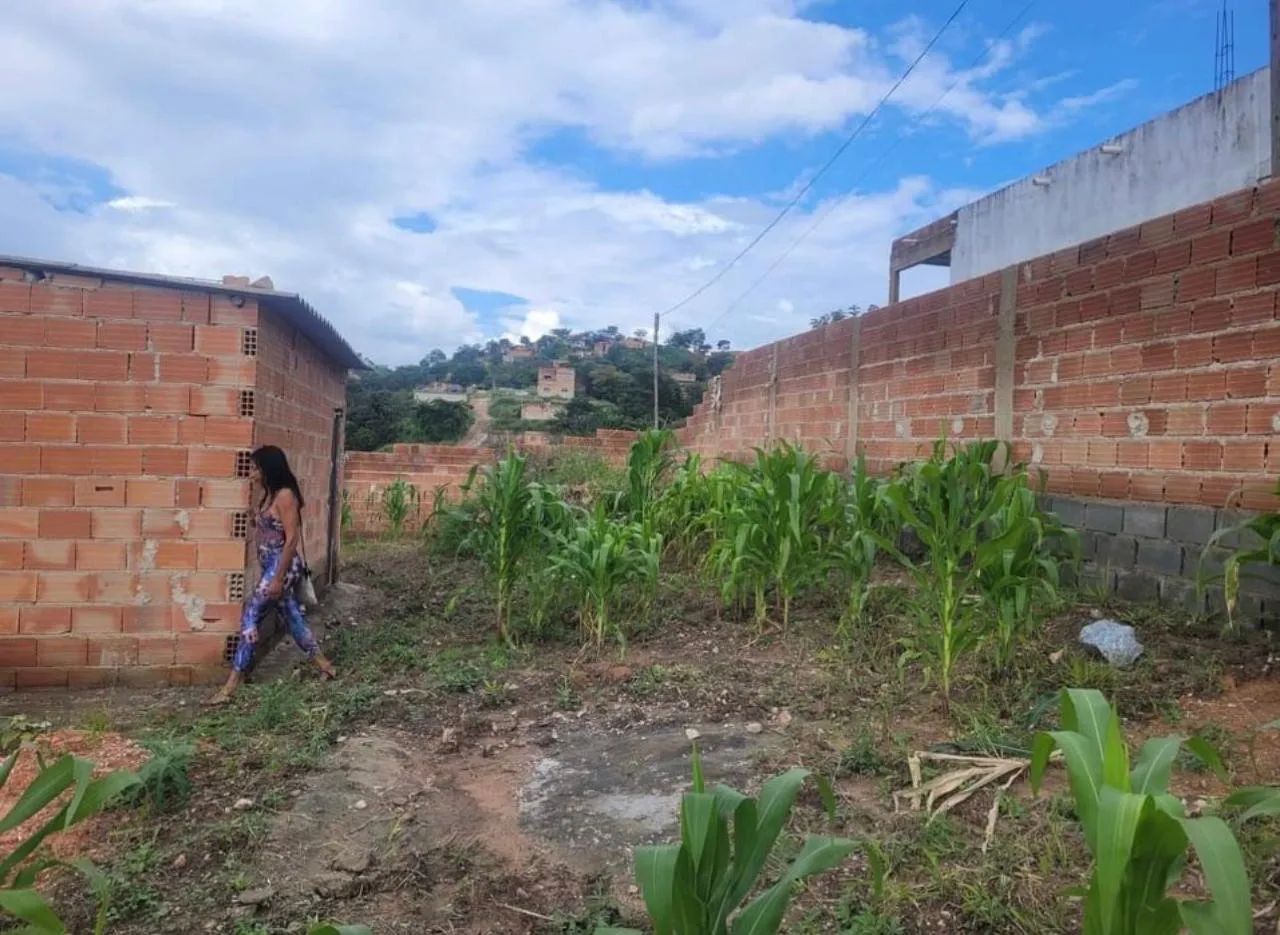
440	420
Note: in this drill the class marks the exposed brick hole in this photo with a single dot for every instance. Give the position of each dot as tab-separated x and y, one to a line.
244	460
235	586
240	525
230	647
249	342
247	403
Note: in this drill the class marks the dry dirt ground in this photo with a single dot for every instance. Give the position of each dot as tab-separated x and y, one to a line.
445	785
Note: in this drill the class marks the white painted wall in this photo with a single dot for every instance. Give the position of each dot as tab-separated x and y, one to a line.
1209	147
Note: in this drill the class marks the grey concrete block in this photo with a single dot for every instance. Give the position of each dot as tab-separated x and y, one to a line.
1089	543
1190	524
1144	520
1120	552
1206	562
1242	539
1096	576
1104	517
1138	586
1179	592
1160	555
1069	512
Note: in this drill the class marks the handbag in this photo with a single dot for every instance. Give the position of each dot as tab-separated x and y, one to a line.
305	588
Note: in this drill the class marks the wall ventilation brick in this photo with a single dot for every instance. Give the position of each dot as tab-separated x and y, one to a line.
229	648
244	462
240	525
248	403
235	586
249	342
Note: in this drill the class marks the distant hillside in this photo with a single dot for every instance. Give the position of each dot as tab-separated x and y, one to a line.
613	386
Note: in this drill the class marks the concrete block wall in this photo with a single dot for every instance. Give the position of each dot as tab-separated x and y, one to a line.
1157	553
1140	366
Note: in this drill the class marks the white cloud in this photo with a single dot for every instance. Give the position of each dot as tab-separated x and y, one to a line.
535	323
133	203
284	137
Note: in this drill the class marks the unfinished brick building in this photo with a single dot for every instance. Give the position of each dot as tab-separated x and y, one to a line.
129	404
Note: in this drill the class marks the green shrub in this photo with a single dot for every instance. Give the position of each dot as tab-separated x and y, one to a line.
164	780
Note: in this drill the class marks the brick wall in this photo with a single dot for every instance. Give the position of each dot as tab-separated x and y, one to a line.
430	467
1142	366
126	419
298	391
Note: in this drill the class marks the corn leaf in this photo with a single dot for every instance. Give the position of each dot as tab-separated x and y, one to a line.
1150	774
1258	801
763	915
777	796
1208	755
1229	911
50	783
30	907
1119	814
656	877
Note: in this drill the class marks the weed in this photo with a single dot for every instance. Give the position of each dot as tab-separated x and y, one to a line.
566	696
861	758
494	693
164	780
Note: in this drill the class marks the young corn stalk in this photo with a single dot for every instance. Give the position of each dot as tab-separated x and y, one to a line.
399	499
699	885
512	517
648	466
774	528
68	779
602	563
855	544
1138	833
1263	550
948	503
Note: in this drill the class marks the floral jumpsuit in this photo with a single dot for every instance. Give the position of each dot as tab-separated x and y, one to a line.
270	535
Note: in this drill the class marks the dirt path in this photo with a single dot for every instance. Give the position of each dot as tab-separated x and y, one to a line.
478	434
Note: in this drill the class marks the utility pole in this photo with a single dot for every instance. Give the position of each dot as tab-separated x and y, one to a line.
655	337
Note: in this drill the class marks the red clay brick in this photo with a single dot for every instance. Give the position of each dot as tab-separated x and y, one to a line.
172	339
110	651
17	653
109	302
11	554
1236	276
61	651
212	462
140	493
221	556
1247	383
64	524
13	363
153	430
167	398
117	524
48	491
157	305
117	397
101	556
1202	456
23	330
164	462
99	491
1244	456
21	394
44	620
122	335
102	429
195	308
183	368
234	432
80	334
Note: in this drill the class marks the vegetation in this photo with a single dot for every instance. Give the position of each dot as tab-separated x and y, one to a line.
615	390
1138	833
698	886
1260	546
69	778
398	500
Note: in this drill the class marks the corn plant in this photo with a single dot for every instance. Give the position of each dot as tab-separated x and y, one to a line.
855	542
329	928
601	562
773	529
1138	833
68	777
648	466
399	499
1264	527
687	511
1022	575
698	886
511	517
348	518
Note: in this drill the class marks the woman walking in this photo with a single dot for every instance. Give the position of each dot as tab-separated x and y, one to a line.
279	536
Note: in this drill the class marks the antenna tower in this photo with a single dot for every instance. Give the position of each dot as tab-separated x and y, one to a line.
1224	53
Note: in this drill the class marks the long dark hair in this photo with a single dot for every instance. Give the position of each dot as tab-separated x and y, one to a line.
276	474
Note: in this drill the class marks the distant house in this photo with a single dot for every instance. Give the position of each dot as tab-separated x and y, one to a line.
448	392
556	381
601	347
634	344
518	352
686	381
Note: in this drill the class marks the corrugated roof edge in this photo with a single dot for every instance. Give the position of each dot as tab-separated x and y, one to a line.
289	305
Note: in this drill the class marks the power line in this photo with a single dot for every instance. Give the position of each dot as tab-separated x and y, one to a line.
824	214
804	190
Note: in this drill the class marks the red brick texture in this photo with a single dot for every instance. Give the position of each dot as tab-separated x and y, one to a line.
446	467
1146	366
121	502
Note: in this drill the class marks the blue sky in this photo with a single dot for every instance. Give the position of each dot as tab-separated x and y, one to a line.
510	166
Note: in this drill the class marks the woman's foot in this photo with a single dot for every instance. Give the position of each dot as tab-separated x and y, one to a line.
327	670
223	695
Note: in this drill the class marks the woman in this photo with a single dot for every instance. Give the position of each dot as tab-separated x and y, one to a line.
279	535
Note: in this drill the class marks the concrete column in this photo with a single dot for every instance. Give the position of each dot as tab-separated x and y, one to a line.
1005	354
855	357
895	275
771	426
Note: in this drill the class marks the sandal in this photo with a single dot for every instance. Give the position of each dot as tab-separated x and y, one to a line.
218	699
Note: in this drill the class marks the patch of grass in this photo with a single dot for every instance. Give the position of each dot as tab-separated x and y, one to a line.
652	680
862	758
130	895
461	669
165	778
566	696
